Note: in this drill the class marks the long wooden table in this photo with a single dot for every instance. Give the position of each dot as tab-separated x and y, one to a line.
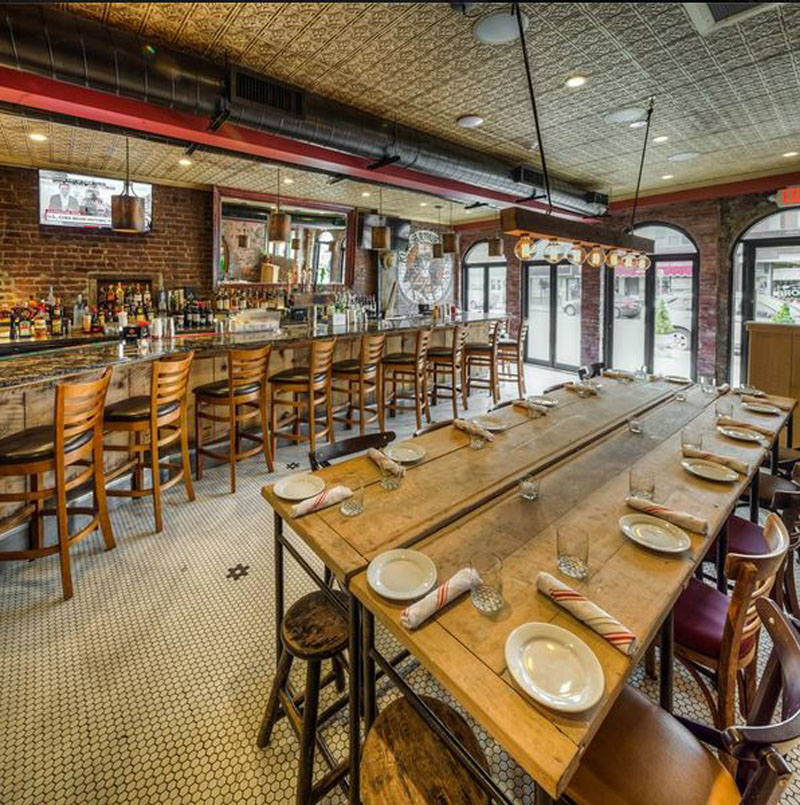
462	501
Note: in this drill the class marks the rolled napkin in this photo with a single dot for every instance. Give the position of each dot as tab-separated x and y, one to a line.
724	388
414	614
680	519
328	497
741	390
587	612
581	388
384	462
678	379
784	406
534	408
742	467
618	374
547	402
473	428
737	423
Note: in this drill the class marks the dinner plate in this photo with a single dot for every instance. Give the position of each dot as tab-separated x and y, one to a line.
741	434
710	470
491	423
761	408
684	381
554	667
654	533
299	486
401	574
405	452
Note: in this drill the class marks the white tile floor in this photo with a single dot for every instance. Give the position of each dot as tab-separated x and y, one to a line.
149	686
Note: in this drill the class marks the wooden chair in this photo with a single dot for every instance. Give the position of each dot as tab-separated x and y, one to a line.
313	630
484	357
164	410
409	368
405	763
362	377
244	394
642	754
74	442
322	456
770	485
717	636
310	388
511	358
450	361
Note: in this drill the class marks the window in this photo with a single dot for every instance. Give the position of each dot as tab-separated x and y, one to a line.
323	257
484	281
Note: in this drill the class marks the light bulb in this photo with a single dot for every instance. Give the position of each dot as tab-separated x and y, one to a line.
642	262
628	260
553	252
595	257
576	254
614	257
525	247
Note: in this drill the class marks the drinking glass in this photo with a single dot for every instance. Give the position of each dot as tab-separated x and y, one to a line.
641	373
476	441
572	549
635	425
691	438
642	484
707	384
354	505
487	597
528	488
723	408
389	481
680	396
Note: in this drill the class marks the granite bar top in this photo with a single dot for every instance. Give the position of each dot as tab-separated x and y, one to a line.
56	363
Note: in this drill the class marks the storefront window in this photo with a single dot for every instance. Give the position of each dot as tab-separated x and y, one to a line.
484	281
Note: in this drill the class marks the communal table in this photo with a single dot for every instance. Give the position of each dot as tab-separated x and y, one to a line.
459	501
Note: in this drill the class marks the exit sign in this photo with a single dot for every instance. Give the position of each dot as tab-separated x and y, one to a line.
788	197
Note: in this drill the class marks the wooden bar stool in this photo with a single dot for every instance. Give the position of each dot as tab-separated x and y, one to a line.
450	361
511	358
313	630
409	367
484	357
362	376
244	394
163	410
309	387
73	441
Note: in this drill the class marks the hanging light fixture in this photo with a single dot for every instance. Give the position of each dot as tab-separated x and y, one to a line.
495	245
244	239
450	238
628	260
614	257
127	209
575	254
642	262
525	247
280	223
595	257
381	235
295	244
438	249
553	253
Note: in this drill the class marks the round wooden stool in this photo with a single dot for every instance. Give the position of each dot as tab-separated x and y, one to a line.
404	762
313	630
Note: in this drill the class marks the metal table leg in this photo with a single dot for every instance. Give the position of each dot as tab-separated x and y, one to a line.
754	497
278	537
722	552
355	696
789	430
773	462
370	708
667	663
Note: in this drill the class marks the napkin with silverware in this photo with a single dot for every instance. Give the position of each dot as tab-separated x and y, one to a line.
582	389
742	467
737	423
618	374
752	392
784	406
723	389
328	497
531	407
473	428
465	579
578	605
678	518
385	463
547	402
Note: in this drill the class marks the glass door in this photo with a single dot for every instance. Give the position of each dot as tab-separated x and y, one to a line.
675	316
539	313
628	329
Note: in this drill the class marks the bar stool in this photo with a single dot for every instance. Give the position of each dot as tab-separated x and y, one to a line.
511	358
163	410
405	367
310	387
484	356
363	376
74	440
450	361
244	394
313	630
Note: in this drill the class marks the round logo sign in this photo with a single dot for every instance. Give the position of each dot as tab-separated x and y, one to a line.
422	278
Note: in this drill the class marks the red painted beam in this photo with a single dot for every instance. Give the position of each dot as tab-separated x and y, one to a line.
45	94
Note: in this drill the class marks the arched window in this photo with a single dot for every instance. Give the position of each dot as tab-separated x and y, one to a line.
484	281
323	255
765	281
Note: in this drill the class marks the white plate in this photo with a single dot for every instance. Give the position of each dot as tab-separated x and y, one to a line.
405	452
491	423
654	533
401	574
554	667
710	470
299	486
761	408
684	381
741	434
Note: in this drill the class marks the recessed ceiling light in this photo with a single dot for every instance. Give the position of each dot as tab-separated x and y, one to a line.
626	115
790	154
667	176
469	121
662	138
575	81
683	156
423	204
366	194
288	180
37	137
499	28
185	161
637	124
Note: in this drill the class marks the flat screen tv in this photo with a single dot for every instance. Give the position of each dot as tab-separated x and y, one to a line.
84	202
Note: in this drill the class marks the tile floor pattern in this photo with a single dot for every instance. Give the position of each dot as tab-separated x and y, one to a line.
149	686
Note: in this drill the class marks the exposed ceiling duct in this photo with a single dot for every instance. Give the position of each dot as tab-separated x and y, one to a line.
42	40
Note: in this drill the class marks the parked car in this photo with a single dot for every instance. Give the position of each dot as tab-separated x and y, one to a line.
624	308
680	314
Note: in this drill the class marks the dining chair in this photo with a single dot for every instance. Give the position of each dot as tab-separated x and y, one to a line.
322	456
769	485
406	368
511	358
716	635
361	377
483	356
449	361
642	753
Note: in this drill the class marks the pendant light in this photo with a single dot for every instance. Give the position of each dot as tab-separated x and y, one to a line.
553	253
127	209
450	238
280	223
381	235
438	249
595	257
614	257
628	260
575	254
495	245
295	244
525	247
642	262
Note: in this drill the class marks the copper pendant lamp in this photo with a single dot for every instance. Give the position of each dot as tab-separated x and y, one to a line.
381	235
438	249
450	239
495	245
280	223
127	209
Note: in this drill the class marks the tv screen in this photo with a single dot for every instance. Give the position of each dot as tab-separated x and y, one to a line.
72	199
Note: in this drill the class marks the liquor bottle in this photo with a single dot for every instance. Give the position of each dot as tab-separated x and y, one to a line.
40	323
25	328
56	328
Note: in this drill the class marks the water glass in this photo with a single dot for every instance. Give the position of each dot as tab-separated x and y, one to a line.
691	438
680	396
635	425
641	373
487	596
723	408
389	481
529	488
572	548
354	505
707	384
476	441
642	484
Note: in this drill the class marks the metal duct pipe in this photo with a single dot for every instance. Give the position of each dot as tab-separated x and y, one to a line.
40	39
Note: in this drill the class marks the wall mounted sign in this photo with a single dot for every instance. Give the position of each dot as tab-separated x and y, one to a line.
788	197
423	279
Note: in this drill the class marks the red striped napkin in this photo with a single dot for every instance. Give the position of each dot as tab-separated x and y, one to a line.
415	614
328	497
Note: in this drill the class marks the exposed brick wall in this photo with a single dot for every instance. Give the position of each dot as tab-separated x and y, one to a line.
33	257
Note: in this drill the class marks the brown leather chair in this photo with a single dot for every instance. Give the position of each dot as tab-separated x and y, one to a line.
72	450
409	368
450	361
244	394
362	376
483	356
164	410
511	358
